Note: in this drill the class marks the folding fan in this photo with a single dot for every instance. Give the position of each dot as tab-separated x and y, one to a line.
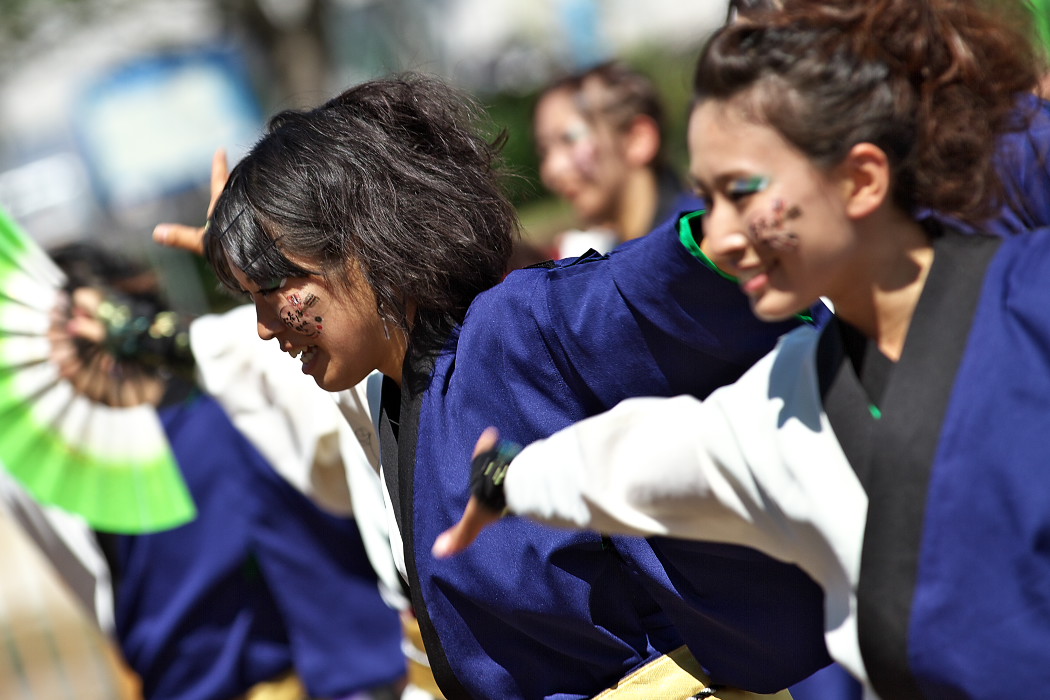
112	466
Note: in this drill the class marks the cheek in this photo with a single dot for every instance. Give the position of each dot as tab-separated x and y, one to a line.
301	312
584	157
773	226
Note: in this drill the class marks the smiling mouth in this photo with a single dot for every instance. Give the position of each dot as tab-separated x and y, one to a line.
755	282
305	354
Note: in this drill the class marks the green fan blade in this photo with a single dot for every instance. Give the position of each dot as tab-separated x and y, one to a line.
112	466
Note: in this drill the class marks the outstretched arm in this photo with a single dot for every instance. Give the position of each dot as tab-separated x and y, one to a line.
648	467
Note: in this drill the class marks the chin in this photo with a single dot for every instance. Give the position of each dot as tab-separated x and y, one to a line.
332	385
773	311
336	381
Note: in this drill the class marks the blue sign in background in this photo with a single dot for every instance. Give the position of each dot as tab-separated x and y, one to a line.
148	129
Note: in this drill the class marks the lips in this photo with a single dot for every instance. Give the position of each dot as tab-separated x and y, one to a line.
756	284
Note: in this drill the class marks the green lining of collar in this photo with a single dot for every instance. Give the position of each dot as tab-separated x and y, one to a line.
688	239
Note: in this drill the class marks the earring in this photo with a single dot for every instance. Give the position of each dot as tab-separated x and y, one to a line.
382	317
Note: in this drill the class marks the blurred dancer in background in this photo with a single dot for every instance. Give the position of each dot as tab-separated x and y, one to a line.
600	138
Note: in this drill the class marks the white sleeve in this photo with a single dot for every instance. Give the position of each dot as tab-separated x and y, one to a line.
649	466
286	416
756	464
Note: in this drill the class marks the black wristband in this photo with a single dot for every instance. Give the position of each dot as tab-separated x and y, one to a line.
488	470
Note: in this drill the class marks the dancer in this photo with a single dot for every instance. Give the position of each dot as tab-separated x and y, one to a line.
891	451
262	589
600	139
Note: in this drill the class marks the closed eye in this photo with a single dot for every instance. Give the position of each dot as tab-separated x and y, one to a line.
272	286
744	187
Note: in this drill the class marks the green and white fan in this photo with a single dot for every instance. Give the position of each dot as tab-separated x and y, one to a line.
112	466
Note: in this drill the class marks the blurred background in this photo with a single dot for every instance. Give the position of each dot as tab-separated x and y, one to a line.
110	110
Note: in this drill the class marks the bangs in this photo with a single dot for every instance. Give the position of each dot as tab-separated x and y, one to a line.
245	242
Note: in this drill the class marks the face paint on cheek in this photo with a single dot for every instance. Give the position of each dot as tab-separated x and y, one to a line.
582	149
770	229
300	316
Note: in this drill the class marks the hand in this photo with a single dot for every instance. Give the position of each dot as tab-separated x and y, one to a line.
75	329
476	517
77	348
84	322
191	238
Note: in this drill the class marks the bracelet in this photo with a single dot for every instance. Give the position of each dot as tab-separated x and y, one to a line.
488	472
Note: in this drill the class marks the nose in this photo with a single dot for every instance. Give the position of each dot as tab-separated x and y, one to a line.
725	240
555	164
268	323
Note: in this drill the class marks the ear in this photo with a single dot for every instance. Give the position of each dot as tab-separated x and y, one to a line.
865	174
642	141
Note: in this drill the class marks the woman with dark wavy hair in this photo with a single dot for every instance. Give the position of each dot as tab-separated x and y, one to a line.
893	454
387	194
371	233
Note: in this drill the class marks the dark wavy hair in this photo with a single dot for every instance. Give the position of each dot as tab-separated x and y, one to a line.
393	176
931	82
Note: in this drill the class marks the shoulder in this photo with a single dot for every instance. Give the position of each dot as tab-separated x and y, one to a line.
790	365
546	297
1020	271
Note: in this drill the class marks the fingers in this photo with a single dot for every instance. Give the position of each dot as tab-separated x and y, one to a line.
476	517
220	173
86	300
65	356
189	238
87	328
458	537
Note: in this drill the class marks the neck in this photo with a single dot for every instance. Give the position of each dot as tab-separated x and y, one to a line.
637	208
397	346
881	291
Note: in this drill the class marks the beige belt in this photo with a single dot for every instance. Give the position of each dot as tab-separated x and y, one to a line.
286	687
676	676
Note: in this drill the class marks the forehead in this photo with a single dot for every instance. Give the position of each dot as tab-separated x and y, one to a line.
556	106
242	279
723	135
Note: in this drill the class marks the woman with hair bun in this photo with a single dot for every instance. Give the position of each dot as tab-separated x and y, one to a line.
895	454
